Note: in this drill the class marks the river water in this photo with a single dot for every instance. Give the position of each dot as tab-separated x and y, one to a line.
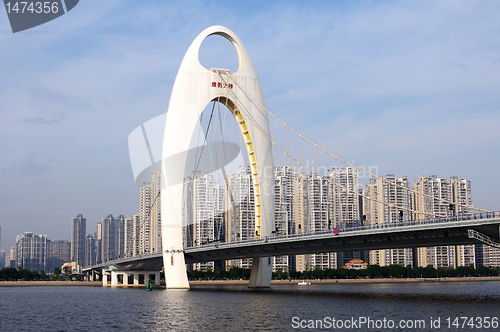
237	308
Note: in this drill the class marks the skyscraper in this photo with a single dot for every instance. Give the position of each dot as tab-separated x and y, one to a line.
78	239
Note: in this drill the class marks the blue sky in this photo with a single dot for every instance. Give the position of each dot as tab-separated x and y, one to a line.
409	87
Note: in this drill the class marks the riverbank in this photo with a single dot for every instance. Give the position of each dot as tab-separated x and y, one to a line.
273	282
341	281
50	283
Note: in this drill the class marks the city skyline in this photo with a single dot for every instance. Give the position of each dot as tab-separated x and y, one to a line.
390	95
303	203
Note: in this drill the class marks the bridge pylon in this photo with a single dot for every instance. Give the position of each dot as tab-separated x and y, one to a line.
195	87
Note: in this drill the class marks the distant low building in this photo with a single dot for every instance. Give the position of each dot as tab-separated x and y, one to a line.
70	267
355	264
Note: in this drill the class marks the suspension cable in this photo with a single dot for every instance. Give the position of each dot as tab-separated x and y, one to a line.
205	140
314	172
141	225
257	104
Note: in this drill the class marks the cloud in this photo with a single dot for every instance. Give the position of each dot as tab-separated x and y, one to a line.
30	168
38	120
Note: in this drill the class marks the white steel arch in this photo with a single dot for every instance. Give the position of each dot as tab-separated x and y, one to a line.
194	87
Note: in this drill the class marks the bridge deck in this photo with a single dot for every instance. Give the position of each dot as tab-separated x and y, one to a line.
433	233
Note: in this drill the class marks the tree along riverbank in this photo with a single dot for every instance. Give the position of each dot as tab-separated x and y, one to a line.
245	282
19	274
342	281
371	272
50	283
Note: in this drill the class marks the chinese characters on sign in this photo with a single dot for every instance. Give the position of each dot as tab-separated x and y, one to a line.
221	85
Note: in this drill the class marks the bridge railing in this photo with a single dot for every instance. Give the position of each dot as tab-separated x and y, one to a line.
455	218
395	224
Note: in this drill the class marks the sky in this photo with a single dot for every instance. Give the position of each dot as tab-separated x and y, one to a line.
410	87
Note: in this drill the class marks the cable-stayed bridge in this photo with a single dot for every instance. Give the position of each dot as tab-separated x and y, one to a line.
240	93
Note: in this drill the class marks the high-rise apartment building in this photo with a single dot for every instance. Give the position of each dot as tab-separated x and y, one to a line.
2	252
131	235
208	213
13	256
31	251
214	212
285	178
376	210
462	197
91	250
203	213
301	216
2	259
145	212
187	212
490	255
453	190
319	199
344	206
156	212
240	211
323	203
58	253
112	237
78	239
98	243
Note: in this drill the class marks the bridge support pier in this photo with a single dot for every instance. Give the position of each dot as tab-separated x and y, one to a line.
105	276
121	278
136	279
261	274
174	265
